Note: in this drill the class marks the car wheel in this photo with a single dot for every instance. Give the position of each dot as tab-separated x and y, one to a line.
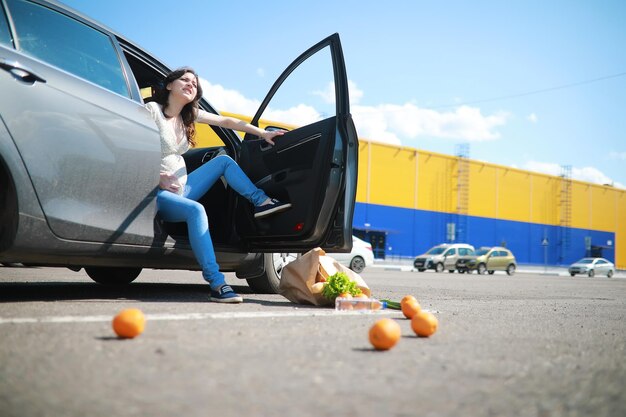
491	272
439	267
572	274
609	274
274	263
481	269
111	275
421	269
357	264
591	273
451	271
510	270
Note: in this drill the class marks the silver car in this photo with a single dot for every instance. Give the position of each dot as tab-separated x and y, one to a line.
592	267
359	258
80	157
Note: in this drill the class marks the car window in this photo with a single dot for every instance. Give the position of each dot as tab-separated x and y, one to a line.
67	44
600	261
5	33
450	252
481	252
307	96
435	251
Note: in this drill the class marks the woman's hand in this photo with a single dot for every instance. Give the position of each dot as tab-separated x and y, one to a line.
169	182
269	135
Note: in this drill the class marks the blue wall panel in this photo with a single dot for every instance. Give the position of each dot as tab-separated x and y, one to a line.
412	232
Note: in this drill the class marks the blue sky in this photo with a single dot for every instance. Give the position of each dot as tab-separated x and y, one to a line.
530	84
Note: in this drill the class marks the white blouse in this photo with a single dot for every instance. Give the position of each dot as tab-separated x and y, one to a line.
172	161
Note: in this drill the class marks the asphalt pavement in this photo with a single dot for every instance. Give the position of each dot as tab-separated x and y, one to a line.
526	345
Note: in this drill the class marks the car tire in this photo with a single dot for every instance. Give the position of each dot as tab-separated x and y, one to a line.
357	264
107	275
591	273
609	274
421	269
510	270
573	275
270	280
439	267
491	272
451	271
482	268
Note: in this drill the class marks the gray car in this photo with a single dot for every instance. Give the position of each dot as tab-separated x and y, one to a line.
592	267
80	157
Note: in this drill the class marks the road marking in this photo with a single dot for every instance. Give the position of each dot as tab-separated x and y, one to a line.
197	316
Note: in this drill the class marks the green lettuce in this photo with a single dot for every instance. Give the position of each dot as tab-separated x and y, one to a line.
339	283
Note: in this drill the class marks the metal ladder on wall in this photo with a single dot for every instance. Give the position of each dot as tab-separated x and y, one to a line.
462	192
565	211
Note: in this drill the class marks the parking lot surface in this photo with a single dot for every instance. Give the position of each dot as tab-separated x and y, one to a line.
527	345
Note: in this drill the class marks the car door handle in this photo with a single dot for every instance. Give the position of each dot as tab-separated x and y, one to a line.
19	72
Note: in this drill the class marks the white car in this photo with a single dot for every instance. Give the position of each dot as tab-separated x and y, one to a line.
592	266
360	257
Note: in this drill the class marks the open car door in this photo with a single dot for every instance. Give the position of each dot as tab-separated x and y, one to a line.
313	166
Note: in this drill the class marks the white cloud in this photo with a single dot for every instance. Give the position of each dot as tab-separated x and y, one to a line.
228	100
620	156
233	101
587	174
390	122
532	118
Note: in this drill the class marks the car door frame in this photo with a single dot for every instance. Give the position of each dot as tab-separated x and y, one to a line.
332	229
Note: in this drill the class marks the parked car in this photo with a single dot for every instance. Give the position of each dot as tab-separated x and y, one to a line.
592	267
80	158
442	257
489	260
360	257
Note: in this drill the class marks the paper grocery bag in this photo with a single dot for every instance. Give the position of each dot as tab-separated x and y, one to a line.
299	276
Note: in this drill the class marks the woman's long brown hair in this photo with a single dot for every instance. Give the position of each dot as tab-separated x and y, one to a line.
190	111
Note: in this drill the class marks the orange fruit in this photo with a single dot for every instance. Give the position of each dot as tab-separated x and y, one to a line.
407	298
410	307
129	323
384	334
424	324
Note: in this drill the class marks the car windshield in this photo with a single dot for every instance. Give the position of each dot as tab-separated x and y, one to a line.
481	252
436	251
585	261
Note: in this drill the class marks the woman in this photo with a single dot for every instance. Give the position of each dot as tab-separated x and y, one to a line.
175	110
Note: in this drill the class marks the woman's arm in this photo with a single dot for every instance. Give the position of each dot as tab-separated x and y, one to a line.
237	124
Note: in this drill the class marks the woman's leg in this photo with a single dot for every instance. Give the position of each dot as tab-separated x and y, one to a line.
175	208
203	178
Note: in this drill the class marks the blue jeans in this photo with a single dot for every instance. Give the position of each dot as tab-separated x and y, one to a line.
185	208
